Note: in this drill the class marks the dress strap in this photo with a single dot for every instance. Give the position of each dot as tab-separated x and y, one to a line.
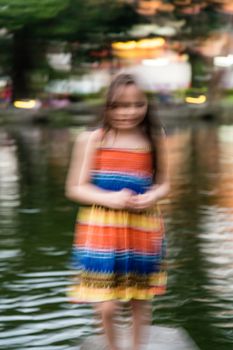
100	138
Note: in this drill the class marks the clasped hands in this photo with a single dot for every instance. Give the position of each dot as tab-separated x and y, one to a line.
127	199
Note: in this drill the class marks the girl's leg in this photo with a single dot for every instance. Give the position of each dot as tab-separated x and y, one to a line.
142	317
107	311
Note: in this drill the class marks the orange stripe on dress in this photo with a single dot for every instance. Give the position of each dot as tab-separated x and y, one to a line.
120	238
123	161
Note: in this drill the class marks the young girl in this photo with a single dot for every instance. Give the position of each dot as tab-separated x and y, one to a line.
118	173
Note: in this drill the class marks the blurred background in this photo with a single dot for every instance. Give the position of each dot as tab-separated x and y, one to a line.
56	60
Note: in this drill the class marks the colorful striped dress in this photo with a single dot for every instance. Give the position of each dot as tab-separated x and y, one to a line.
119	254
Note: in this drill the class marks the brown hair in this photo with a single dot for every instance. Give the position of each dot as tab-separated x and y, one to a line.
150	124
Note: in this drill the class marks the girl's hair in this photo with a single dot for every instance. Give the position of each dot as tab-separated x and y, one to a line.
150	124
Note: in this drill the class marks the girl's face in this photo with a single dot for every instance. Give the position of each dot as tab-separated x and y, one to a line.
128	109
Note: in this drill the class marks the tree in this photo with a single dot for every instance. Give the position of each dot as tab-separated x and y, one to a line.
91	20
37	22
19	18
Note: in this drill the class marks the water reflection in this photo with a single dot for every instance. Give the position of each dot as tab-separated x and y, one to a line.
200	226
9	174
9	201
216	242
37	231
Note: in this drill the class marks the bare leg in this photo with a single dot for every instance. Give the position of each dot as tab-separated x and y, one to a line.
142	315
107	312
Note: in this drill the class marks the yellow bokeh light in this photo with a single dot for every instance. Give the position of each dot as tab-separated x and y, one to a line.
143	48
140	44
124	45
25	104
196	100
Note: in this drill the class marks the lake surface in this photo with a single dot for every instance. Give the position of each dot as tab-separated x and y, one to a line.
36	232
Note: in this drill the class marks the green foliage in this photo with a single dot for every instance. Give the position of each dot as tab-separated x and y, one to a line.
16	13
67	19
90	20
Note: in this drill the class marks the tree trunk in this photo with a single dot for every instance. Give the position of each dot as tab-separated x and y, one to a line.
22	63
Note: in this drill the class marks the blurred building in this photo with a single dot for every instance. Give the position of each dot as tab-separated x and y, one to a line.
157	66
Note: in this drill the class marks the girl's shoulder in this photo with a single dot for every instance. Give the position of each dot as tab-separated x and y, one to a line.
88	137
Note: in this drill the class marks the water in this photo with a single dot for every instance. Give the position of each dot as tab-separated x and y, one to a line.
36	229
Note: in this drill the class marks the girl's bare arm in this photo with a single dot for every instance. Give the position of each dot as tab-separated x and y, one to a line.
162	186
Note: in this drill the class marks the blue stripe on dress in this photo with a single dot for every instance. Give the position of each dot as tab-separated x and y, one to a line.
116	181
115	262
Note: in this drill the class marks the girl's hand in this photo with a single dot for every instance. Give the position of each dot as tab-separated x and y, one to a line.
142	201
149	198
119	200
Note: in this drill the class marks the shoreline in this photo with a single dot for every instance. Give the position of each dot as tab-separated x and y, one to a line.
83	113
